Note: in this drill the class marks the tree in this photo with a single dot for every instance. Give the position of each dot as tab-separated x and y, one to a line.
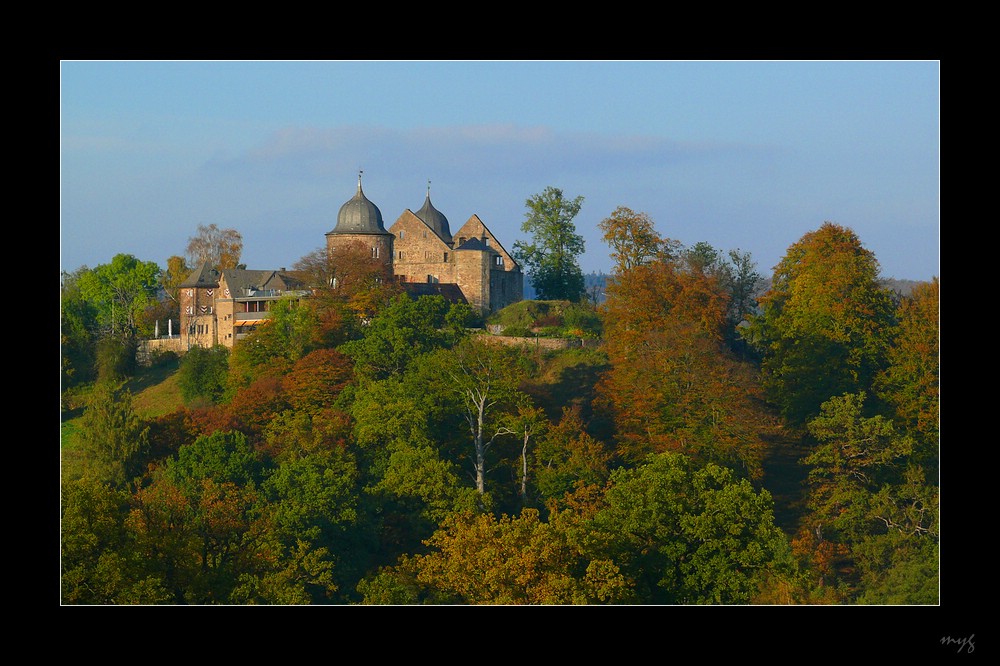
910	382
114	436
480	559
401	332
98	565
177	271
219	248
551	256
873	516
77	331
316	380
567	456
203	373
689	534
120	293
633	239
486	378
673	384
824	325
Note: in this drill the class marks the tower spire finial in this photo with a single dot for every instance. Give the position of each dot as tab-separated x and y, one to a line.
360	171
428	188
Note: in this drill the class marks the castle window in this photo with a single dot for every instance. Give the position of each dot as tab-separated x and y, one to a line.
400	255
401	234
375	252
446	256
499	261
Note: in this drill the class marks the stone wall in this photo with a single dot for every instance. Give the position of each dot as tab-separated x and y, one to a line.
147	348
543	343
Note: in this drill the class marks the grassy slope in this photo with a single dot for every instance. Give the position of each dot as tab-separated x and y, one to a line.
154	392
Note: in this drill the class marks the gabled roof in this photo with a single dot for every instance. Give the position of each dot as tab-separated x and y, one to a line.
474	222
241	282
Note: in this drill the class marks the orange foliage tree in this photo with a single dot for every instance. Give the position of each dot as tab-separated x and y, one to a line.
673	384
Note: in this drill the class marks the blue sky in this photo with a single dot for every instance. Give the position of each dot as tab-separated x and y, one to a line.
747	155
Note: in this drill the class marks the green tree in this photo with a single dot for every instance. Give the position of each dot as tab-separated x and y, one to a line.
115	438
120	293
689	534
199	525
404	330
77	331
825	323
870	504
551	256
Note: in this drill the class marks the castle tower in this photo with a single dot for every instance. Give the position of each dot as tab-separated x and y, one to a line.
359	225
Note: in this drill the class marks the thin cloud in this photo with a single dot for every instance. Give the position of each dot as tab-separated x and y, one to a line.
493	150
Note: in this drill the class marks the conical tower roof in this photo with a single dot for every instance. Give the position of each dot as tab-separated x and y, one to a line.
434	218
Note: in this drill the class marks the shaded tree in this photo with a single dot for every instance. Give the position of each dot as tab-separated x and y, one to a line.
203	372
77	331
910	382
486	378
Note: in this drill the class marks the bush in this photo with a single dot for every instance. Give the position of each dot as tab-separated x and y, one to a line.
203	374
583	318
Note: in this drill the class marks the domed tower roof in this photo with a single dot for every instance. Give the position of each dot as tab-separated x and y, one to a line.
359	216
434	218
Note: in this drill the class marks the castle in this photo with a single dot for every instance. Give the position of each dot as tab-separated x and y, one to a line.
219	307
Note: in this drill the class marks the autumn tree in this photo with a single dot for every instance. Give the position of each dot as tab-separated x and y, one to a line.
824	324
673	384
633	240
97	563
219	248
196	524
567	456
316	380
551	256
511	560
363	282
